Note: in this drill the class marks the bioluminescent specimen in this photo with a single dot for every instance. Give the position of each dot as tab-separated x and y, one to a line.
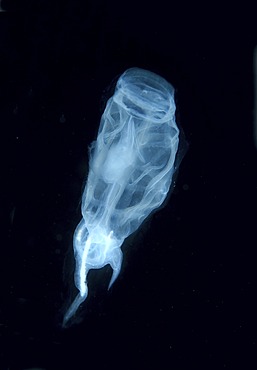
131	166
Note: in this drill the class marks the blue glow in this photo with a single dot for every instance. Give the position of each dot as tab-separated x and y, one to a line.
131	169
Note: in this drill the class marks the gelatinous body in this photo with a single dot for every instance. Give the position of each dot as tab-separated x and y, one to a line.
131	169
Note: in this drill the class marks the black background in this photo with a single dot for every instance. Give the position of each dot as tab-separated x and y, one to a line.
186	295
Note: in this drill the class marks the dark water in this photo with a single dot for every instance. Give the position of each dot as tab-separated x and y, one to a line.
186	295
